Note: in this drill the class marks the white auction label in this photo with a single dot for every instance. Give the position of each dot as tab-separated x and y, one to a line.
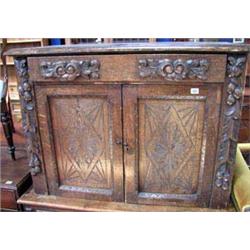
194	91
8	182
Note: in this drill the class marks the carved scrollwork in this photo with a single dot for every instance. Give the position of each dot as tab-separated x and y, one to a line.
28	114
70	70
174	70
230	126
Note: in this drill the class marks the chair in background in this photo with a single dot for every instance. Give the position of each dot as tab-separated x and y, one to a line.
6	116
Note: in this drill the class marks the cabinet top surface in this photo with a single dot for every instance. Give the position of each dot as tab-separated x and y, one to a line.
121	48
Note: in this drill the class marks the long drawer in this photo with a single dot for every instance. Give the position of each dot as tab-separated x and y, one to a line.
152	68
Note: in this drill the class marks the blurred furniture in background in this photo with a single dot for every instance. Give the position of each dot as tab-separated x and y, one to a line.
15	179
12	81
244	135
6	116
6	119
15	175
71	41
241	180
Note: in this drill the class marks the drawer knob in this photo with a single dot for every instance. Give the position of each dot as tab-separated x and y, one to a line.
174	70
70	70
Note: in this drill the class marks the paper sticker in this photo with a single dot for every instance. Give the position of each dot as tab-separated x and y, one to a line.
194	91
8	182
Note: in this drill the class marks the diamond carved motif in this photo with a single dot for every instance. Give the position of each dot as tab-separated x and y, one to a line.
170	148
82	161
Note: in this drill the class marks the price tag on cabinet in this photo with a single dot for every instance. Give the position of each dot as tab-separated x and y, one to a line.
194	91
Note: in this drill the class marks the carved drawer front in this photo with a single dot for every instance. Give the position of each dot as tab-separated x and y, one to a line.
153	68
79	127
170	139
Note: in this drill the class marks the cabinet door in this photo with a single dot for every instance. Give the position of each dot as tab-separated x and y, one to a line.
79	125
170	135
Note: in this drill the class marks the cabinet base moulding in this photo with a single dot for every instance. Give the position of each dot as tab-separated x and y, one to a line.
35	202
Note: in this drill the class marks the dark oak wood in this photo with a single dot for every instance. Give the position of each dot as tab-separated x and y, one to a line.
244	134
146	124
171	138
128	68
229	129
173	47
80	127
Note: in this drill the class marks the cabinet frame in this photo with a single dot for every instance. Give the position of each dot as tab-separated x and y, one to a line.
233	86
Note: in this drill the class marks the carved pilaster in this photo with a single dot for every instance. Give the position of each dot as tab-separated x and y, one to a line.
28	114
230	121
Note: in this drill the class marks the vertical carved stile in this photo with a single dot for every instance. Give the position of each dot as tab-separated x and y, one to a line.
230	122
25	89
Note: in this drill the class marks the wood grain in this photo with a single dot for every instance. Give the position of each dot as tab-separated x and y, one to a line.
79	127
36	202
171	138
125	68
110	133
110	48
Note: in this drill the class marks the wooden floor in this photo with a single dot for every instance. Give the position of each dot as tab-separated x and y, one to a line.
15	176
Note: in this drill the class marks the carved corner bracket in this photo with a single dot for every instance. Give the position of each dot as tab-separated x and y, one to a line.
174	70
25	89
230	122
70	70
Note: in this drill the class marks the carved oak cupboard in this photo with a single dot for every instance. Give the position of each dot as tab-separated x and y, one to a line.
147	124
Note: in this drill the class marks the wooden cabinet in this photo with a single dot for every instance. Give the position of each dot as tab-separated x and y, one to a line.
151	124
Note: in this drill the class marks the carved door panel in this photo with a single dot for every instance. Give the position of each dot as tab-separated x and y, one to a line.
170	142
79	125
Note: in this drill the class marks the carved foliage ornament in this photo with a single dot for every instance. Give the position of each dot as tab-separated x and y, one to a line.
174	69
28	113
70	70
230	127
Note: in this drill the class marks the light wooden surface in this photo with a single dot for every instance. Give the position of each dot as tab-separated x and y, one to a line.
55	203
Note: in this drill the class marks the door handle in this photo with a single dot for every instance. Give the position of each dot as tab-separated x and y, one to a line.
125	145
127	148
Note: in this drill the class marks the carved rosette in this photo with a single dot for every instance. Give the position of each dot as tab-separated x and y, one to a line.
231	121
174	70
70	70
28	114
